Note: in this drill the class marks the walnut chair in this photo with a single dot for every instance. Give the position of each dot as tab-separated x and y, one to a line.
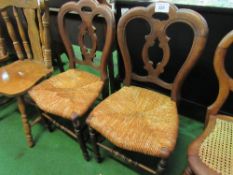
212	152
138	119
34	60
70	95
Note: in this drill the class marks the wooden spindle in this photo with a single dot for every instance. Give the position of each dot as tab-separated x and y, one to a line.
33	33
3	51
22	34
41	30
46	37
12	34
26	125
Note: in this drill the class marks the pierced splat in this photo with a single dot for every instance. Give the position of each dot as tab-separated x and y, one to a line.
153	73
87	28
158	32
88	55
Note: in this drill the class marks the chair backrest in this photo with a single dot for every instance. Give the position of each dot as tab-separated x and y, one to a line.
224	79
88	10
158	29
29	31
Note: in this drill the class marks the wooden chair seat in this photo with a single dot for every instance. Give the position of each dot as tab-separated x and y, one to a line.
139	120
213	151
16	78
70	92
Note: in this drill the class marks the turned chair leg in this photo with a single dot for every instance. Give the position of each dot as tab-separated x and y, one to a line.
26	125
79	135
96	150
188	171
161	166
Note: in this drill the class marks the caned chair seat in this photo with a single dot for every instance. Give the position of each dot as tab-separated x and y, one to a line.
139	120
215	146
19	76
70	92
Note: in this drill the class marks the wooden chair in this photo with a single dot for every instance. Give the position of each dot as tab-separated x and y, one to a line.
71	94
138	119
34	57
212	152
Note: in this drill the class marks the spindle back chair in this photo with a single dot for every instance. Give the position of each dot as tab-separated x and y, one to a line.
28	30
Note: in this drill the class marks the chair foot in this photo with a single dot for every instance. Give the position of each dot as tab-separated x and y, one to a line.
96	151
161	166
80	139
25	122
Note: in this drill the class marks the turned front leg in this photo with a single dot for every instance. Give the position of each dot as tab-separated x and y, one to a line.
80	138
96	150
161	166
26	125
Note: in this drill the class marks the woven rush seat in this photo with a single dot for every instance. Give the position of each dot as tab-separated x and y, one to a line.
70	92
137	119
216	151
19	76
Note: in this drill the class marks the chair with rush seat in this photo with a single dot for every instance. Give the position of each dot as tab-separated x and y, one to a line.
212	152
71	94
138	119
34	55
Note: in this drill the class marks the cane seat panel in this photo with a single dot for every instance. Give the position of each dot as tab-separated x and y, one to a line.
216	150
73	91
19	76
139	120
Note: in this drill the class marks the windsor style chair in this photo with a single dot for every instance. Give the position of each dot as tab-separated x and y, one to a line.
212	152
70	95
32	47
138	119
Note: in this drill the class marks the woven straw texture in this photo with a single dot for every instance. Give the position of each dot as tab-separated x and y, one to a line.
139	120
216	151
70	92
